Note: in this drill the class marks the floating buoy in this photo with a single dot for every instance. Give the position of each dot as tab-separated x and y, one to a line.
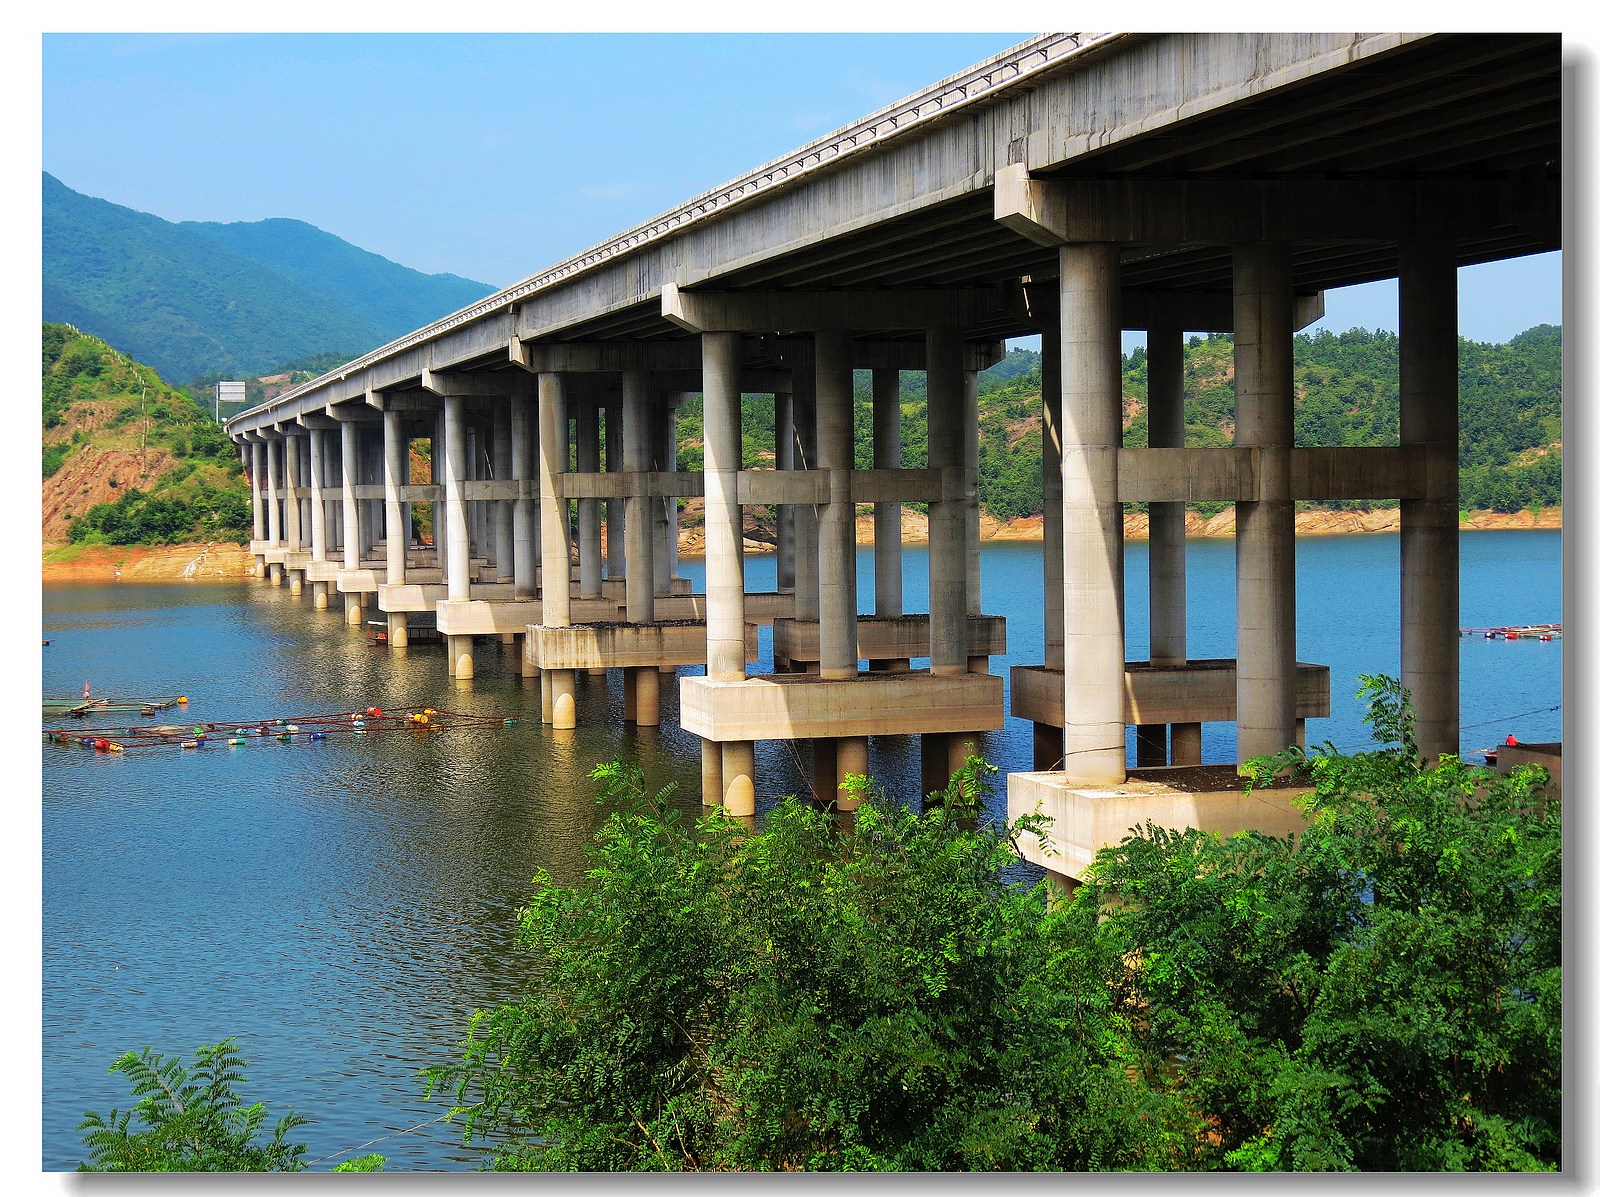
319	735
183	700
190	744
374	711
289	727
236	740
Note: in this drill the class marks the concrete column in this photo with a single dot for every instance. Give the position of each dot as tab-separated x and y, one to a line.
291	499
1430	551
560	711
724	533
969	392
738	775
638	543
292	511
371	468
258	474
274	455
1168	538
589	509
850	757
1168	630
725	660
504	532
806	575
319	514
1047	738
836	533
710	773
669	462
783	443
395	534
1091	434
635	544
664	450
458	582
616	517
436	456
349	471
886	571
947	516
523	512
1263	347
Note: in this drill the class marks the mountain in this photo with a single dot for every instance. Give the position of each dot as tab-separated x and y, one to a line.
395	298
198	298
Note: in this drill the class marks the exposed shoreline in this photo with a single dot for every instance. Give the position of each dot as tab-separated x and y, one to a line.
221	562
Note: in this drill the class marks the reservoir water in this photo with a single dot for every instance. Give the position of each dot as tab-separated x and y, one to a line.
341	907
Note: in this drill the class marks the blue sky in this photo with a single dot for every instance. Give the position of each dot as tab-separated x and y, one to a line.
493	156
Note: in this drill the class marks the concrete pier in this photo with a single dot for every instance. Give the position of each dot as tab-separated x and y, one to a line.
1264	536
1091	406
1430	553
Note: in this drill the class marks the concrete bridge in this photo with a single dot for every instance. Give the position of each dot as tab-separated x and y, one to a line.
1074	186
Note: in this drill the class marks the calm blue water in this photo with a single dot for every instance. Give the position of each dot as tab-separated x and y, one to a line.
342	907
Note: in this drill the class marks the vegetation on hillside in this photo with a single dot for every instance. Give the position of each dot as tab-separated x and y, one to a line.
95	398
1346	393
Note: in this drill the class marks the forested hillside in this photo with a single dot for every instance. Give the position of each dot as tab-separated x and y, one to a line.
1346	393
127	458
233	299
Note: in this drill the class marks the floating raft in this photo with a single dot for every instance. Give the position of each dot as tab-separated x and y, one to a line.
239	732
1522	631
112	706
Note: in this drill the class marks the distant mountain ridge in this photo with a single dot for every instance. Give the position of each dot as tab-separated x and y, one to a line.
197	298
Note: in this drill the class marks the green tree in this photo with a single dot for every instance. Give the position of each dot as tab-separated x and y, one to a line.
1381	993
805	998
193	1120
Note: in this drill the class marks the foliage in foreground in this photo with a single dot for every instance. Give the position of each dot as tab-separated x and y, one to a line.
193	1120
1381	993
798	999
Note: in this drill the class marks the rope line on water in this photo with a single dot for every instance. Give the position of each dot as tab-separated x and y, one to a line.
410	1130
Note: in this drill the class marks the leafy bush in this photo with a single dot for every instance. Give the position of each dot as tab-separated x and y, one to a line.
193	1120
804	998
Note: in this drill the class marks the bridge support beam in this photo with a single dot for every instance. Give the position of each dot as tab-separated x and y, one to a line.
559	705
1430	553
725	640
887	582
458	582
350	472
1168	538
1263	299
396	536
1091	414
